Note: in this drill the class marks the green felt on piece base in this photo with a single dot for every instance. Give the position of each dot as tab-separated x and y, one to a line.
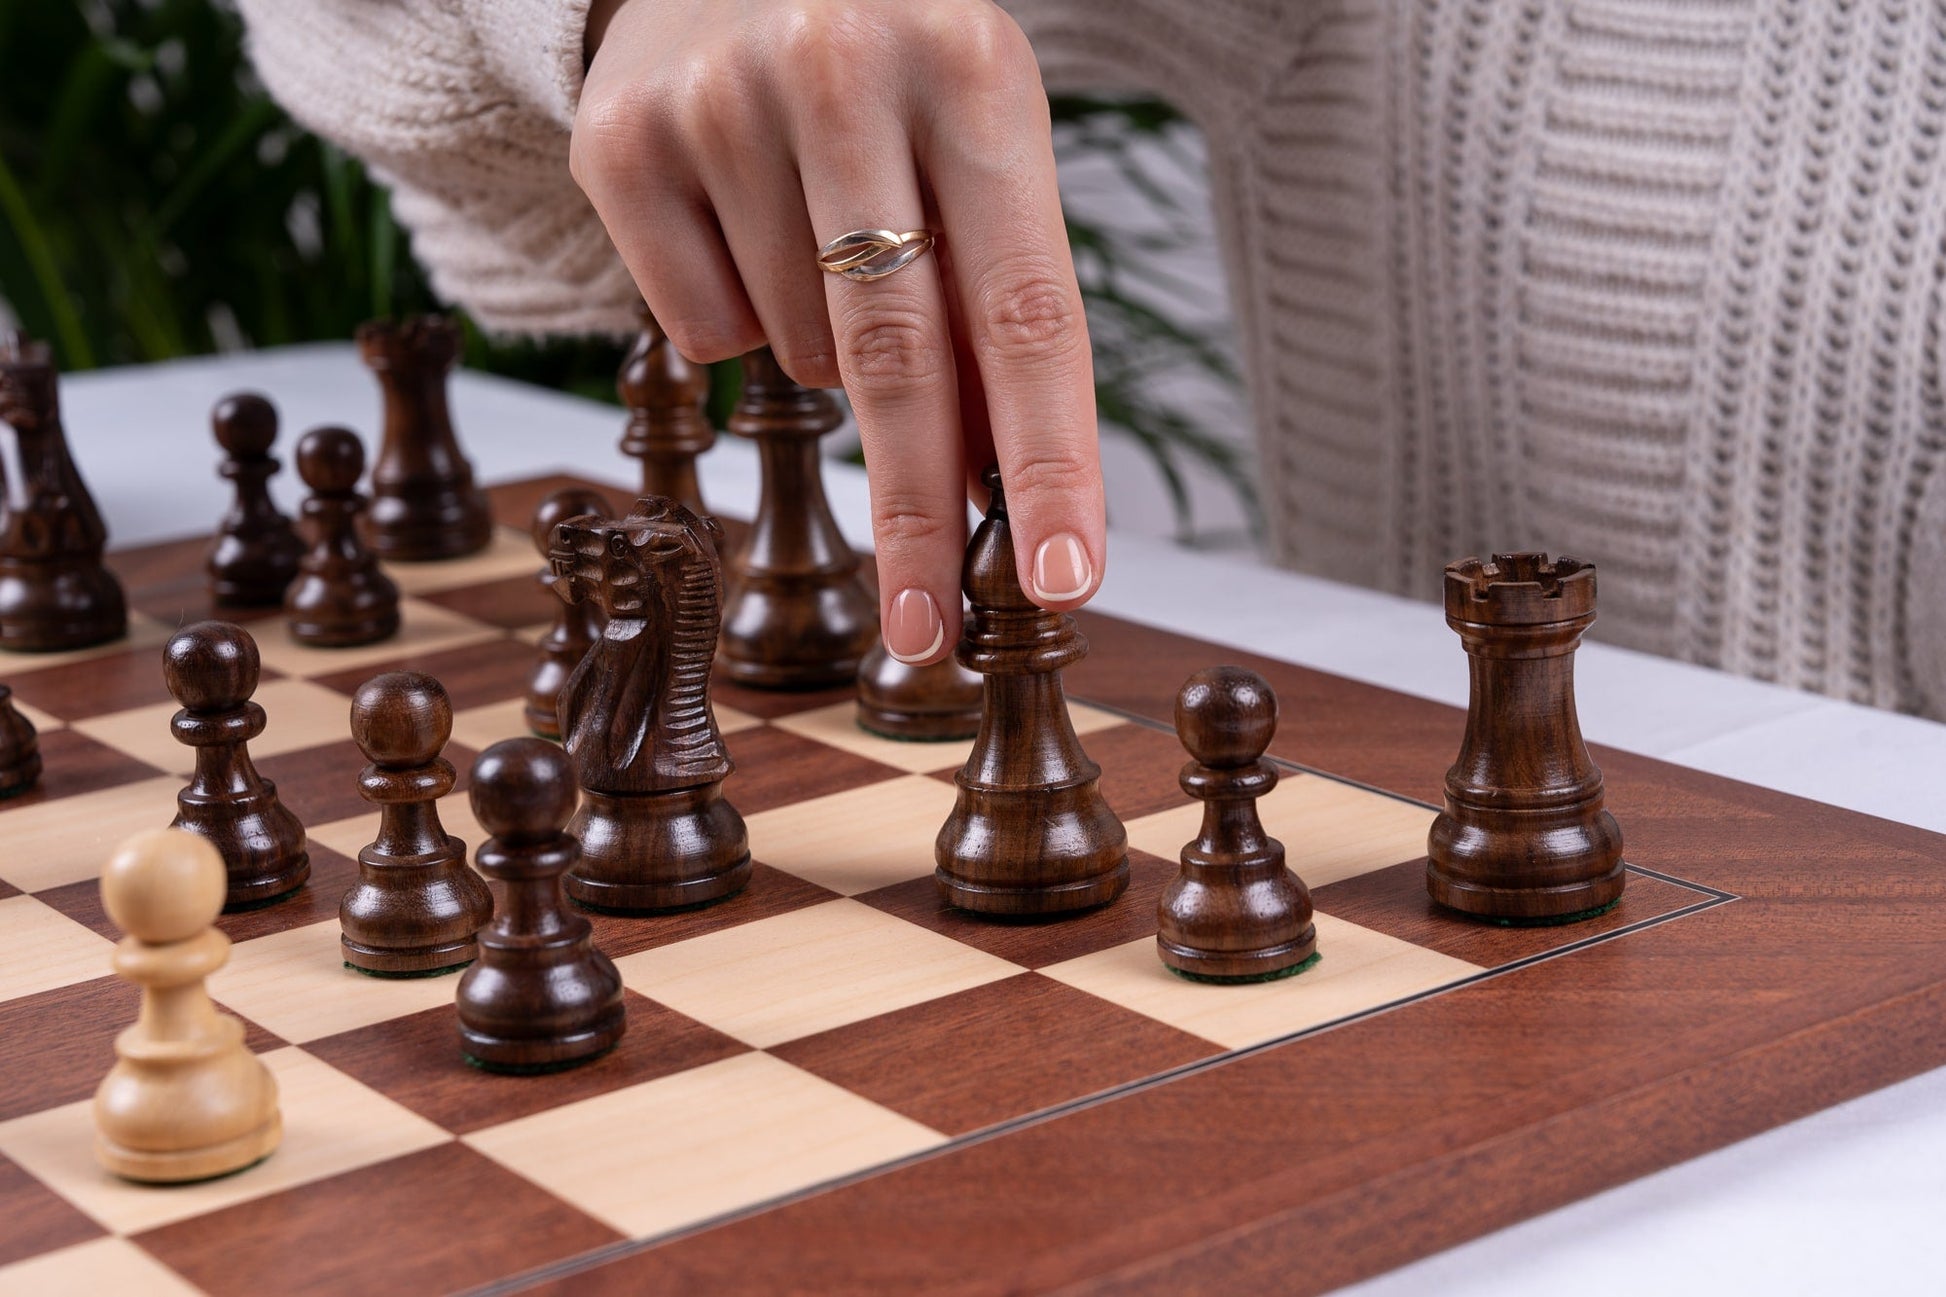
533	1069
1554	920
1213	980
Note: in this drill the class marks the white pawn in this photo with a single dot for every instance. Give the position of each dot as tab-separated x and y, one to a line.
187	1100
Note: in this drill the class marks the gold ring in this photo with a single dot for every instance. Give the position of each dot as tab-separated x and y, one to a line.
873	254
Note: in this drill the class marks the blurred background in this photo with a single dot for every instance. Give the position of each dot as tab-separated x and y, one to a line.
155	203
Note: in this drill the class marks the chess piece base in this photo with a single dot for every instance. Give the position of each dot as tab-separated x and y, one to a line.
447	523
20	776
1246	964
1024	900
264	871
419	961
369	629
72	606
930	704
1482	865
179	1167
646	852
225	592
434	934
527	1054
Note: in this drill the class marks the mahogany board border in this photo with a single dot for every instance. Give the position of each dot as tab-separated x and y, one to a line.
1314	1162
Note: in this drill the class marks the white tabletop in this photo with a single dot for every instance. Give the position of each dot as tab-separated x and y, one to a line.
1849	1200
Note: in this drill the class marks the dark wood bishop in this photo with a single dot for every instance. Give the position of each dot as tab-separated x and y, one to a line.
253	558
55	592
576	625
425	503
1030	832
20	748
667	427
540	996
655	830
799	616
340	597
1235	913
416	906
1525	834
212	669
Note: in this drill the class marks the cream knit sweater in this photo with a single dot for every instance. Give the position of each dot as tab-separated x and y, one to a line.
1654	282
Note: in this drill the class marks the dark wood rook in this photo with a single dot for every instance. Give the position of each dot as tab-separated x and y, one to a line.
1235	913
416	906
799	616
1030	832
20	748
253	558
655	831
540	996
211	668
1524	834
667	427
576	625
920	704
54	591
425	504
340	597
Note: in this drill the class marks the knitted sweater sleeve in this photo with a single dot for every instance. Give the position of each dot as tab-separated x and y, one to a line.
462	107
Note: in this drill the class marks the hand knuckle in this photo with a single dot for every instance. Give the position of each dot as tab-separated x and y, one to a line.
1031	314
810	362
904	522
891	350
706	341
982	49
611	132
1047	469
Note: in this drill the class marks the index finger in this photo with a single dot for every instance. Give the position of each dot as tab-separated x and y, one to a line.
987	151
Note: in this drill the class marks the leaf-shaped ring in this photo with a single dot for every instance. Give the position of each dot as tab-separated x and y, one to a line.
873	254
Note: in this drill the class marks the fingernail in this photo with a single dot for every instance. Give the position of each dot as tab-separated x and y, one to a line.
1061	569
914	631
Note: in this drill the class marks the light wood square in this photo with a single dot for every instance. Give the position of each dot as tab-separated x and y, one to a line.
144	631
297	715
296	985
837	726
510	553
1360	970
796	974
69	839
423	628
532	634
857	840
46	949
40	720
1330	831
332	1124
92	1269
713	1139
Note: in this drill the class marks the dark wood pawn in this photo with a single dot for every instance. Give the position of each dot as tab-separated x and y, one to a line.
655	830
667	426
576	625
340	597
1235	913
20	748
416	906
425	503
1525	834
212	669
1030	832
55	592
540	996
254	555
928	704
799	616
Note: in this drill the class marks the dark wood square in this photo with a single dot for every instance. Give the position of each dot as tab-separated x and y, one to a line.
510	603
777	768
169	583
1139	768
72	763
489	672
436	1221
416	1061
38	1219
320	784
317	900
1036	943
97	686
60	1043
770	892
995	1052
1394	901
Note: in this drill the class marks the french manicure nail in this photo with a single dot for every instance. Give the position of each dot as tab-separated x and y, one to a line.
1061	569
914	630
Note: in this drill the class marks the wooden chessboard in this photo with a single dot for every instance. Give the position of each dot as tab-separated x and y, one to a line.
829	1083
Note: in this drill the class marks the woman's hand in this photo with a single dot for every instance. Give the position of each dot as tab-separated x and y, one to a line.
724	141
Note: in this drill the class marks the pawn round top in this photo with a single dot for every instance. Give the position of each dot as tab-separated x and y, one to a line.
245	425
331	459
164	885
568	502
523	789
1226	716
211	666
401	719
